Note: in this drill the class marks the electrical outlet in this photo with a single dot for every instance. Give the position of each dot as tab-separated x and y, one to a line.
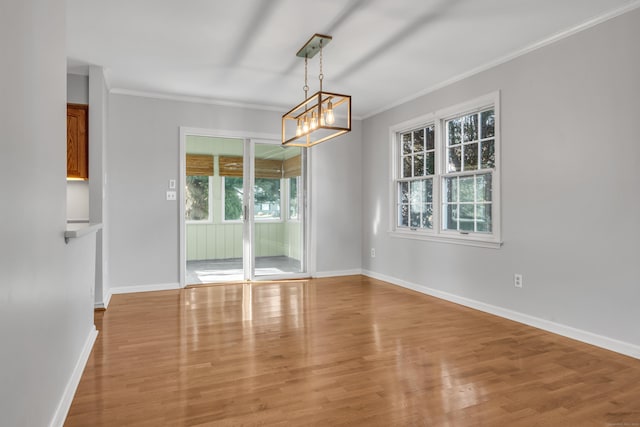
517	280
373	252
171	195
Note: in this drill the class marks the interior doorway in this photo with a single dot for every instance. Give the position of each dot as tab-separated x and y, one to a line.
243	209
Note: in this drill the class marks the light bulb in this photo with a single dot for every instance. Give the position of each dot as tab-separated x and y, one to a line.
299	128
329	117
305	125
314	120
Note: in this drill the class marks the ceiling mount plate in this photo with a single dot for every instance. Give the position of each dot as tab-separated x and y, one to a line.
312	47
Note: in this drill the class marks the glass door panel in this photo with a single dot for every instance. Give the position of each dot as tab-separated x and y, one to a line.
214	206
277	210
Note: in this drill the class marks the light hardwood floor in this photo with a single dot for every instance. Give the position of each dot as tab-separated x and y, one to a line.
339	351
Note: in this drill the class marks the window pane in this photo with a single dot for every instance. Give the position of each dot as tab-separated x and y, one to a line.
418	140
470	127
454	159
417	188
466	189
487	151
404	192
232	198
403	217
483	218
467	217
406	143
427	216
430	138
487	121
429	166
450	217
451	189
414	216
418	165
483	188
266	198
293	198
406	167
470	157
427	196
197	198
454	134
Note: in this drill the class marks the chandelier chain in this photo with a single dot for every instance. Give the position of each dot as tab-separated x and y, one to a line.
306	85
321	76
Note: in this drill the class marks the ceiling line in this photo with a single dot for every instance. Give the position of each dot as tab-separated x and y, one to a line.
491	64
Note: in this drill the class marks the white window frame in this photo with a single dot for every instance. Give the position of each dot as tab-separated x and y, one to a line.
438	119
209	220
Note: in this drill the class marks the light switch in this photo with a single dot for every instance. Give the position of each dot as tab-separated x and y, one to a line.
171	195
172	184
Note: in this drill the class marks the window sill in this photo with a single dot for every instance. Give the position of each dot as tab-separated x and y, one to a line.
466	240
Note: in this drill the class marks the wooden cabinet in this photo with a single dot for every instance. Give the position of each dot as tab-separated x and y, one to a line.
77	141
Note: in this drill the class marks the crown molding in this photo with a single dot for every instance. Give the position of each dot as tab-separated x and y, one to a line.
633	4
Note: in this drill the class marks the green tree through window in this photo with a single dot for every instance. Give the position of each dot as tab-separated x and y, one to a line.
197	198
232	198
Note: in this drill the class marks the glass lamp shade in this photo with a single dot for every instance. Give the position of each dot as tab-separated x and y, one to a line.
330	113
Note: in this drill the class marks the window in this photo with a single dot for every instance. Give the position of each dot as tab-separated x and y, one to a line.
293	183
415	186
233	193
267	199
197	196
446	175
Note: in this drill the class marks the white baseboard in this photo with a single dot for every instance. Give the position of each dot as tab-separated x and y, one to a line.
607	343
320	274
143	288
62	410
106	298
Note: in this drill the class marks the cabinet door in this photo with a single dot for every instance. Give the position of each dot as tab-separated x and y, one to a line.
77	142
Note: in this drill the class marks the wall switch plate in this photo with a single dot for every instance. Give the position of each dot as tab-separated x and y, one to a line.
172	184
171	195
517	280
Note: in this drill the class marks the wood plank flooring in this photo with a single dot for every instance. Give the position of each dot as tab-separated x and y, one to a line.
339	351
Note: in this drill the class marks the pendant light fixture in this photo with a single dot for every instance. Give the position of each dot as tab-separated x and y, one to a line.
321	116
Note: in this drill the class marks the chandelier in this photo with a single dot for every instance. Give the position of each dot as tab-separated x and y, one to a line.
321	116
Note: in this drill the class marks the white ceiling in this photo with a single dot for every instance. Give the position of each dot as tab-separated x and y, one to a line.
243	51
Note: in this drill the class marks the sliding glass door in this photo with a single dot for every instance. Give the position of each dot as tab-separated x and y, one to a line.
277	215
244	210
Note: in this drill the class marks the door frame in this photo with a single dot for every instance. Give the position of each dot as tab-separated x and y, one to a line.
248	226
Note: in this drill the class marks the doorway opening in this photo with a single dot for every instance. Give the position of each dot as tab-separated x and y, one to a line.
243	209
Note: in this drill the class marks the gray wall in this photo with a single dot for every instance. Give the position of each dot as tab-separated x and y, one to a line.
45	310
336	191
77	89
570	179
143	155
